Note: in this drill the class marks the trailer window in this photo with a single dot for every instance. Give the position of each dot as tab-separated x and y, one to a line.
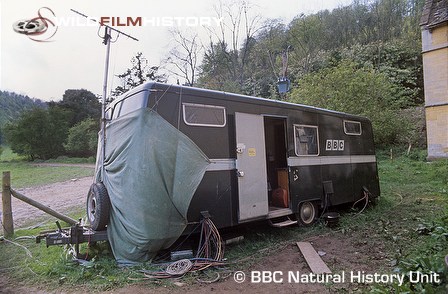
134	102
306	140
204	115
352	127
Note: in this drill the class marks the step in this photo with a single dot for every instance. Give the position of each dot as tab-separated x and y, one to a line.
282	224
278	212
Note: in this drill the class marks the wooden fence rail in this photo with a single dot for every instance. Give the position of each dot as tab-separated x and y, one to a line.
7	219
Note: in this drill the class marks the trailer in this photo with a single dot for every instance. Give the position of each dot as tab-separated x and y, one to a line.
245	159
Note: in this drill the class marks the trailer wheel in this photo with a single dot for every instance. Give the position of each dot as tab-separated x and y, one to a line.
307	214
98	206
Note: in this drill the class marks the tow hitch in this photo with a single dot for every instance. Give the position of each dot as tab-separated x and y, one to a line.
74	235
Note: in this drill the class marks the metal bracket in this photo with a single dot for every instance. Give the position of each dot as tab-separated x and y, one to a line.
74	235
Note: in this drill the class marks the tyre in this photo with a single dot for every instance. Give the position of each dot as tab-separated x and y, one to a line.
98	206
307	214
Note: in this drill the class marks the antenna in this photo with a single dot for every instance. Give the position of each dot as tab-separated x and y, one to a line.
106	41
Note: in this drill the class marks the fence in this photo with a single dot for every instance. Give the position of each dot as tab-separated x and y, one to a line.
7	214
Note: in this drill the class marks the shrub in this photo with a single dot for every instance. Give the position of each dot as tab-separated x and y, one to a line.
83	138
356	90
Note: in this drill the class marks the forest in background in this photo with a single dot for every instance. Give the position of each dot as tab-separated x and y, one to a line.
364	58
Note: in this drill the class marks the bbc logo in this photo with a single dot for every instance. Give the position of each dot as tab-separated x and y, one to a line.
335	145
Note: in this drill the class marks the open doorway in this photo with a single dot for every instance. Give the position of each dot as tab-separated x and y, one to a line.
276	162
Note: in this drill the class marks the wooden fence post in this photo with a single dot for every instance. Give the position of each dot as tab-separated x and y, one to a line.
8	225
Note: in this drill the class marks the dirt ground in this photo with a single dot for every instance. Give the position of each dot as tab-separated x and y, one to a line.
61	197
342	253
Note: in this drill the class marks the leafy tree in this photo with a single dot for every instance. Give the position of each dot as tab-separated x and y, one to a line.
83	138
139	73
80	104
38	133
382	33
357	90
13	104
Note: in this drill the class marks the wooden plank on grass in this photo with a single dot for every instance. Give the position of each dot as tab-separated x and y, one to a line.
316	264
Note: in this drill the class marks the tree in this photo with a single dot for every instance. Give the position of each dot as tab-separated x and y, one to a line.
83	138
225	64
264	62
38	133
399	60
81	104
13	104
185	56
139	73
307	35
356	90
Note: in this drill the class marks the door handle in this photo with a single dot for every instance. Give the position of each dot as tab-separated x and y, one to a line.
240	173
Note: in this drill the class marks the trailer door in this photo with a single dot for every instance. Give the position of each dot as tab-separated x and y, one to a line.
251	166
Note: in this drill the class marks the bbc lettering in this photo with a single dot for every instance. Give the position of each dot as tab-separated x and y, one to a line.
334	145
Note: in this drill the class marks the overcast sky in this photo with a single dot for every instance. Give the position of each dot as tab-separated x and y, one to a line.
75	57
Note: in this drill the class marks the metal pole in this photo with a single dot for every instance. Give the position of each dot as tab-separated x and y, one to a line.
8	225
103	112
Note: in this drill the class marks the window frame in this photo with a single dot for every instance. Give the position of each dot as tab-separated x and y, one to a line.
119	105
353	122
184	104
317	139
116	110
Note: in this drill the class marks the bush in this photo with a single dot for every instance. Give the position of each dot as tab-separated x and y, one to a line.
83	138
38	133
356	90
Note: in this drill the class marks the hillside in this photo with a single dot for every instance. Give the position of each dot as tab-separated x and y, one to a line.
13	104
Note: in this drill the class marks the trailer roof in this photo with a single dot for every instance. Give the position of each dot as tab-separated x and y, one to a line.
232	96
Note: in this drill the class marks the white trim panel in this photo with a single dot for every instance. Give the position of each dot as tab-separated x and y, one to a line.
221	164
328	160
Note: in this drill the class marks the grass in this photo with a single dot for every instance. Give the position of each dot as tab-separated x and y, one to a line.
408	220
24	174
30	174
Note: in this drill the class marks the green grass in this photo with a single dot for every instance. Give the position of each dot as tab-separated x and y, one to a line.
30	174
70	160
25	174
414	194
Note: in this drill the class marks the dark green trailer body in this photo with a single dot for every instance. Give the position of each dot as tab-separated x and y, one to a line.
266	159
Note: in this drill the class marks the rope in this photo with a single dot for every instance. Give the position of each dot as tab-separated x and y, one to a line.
28	252
179	268
210	253
366	197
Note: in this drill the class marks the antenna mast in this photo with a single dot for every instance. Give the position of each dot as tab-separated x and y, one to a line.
106	41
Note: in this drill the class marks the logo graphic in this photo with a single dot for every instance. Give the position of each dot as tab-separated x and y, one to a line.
40	28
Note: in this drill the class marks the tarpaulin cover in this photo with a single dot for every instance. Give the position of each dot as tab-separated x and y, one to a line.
151	173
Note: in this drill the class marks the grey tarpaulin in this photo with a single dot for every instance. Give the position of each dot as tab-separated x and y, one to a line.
151	173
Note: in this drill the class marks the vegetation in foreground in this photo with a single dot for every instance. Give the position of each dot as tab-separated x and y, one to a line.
410	220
